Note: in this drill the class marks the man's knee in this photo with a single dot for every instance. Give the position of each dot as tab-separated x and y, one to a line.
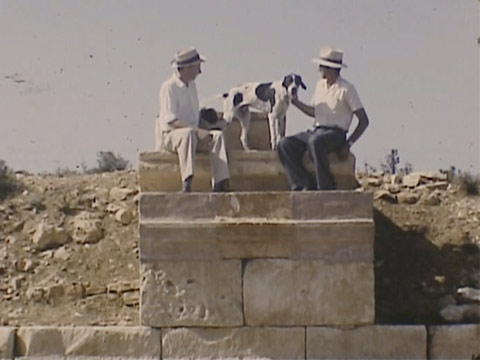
284	143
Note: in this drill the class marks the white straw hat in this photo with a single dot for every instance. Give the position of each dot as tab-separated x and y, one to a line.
330	57
187	57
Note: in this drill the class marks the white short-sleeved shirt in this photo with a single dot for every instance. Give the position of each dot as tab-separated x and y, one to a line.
178	101
335	105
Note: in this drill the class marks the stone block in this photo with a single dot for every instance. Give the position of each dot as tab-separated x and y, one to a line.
39	341
332	241
279	292
454	341
88	342
368	342
249	171
234	343
312	205
258	134
193	293
7	339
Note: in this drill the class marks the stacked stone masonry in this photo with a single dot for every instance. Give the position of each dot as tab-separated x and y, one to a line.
261	272
367	342
256	259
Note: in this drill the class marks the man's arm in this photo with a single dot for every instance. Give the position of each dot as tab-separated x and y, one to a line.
306	109
361	126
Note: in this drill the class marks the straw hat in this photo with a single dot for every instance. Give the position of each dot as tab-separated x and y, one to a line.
187	57
329	57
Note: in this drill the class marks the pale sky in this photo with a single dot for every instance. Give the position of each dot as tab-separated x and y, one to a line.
77	77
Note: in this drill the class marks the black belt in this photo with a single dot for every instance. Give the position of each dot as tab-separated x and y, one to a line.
324	127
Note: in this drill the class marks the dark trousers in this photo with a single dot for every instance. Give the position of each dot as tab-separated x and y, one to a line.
318	142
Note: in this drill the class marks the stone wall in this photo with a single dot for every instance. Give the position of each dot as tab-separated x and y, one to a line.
367	342
256	259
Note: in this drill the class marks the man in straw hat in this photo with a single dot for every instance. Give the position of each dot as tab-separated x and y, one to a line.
333	105
177	126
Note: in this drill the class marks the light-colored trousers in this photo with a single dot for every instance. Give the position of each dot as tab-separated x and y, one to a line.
185	142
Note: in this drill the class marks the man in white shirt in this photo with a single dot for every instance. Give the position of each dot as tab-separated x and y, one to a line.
333	105
177	127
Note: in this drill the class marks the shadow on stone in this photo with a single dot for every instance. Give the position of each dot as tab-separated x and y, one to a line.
413	275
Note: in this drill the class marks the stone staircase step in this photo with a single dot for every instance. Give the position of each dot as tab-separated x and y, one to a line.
311	205
332	241
249	171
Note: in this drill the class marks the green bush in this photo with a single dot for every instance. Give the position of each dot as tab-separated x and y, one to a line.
107	161
8	183
468	183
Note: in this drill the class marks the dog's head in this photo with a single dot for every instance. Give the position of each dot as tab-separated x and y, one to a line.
292	82
209	119
231	100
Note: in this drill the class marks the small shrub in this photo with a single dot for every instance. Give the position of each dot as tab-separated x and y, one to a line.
8	183
107	162
468	183
65	172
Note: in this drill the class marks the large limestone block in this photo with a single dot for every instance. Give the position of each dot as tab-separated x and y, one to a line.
7	338
39	341
280	292
311	205
193	293
234	343
88	342
249	171
113	341
332	241
369	342
258	135
454	341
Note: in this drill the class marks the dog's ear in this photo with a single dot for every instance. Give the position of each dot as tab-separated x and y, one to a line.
299	82
287	80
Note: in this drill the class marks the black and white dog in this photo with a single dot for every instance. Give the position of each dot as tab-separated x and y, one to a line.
272	98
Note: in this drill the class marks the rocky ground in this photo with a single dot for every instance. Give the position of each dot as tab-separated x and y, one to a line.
69	250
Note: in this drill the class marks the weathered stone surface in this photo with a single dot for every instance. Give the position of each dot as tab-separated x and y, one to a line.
406	197
461	313
412	180
369	342
234	343
302	293
48	237
454	341
127	342
96	342
273	205
249	171
7	337
87	228
120	194
193	293
39	341
124	216
258	135
332	241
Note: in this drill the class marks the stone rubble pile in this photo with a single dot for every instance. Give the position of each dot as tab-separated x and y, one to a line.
424	188
47	223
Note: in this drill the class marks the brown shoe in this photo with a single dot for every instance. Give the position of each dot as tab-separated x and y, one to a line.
187	185
221	186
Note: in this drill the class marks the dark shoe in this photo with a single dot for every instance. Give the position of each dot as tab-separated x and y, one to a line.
187	185
221	186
